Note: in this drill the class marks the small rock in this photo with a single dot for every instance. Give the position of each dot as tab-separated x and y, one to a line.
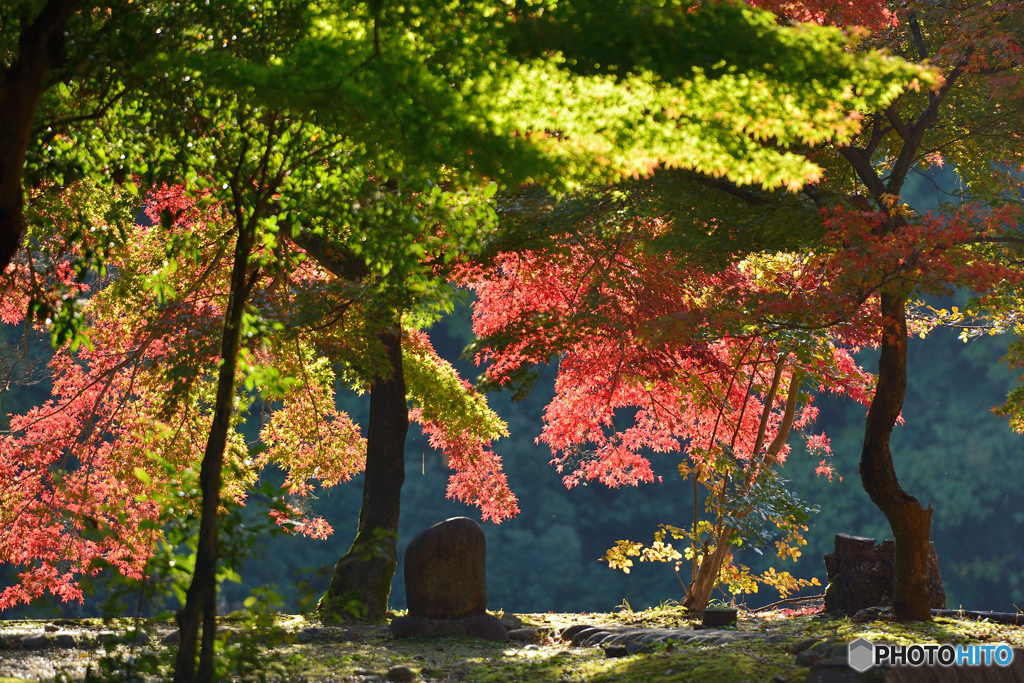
723	640
335	632
51	628
823	648
804	644
840	650
780	679
510	621
807	658
228	634
776	638
834	662
419	658
172	638
616	651
637	648
137	637
439	648
401	673
581	636
64	640
304	635
35	641
568	632
594	639
523	634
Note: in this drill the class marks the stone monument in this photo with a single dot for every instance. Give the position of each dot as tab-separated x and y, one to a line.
446	583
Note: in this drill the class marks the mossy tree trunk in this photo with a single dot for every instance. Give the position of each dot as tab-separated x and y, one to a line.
362	577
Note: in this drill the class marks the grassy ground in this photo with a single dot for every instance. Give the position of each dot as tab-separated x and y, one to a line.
271	647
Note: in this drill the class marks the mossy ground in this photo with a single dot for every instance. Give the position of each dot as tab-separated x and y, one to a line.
333	658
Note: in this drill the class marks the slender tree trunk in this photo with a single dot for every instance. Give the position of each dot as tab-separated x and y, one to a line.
699	594
911	524
707	574
201	601
40	50
362	577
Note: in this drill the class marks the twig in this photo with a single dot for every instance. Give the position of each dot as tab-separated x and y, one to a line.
999	617
788	601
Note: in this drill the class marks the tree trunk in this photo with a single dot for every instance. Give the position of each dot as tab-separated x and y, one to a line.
911	524
362	577
699	593
707	574
201	599
40	50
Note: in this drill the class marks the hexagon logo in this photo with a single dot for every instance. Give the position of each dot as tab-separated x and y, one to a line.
862	655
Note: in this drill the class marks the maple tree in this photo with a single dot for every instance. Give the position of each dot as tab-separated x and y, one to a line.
697	360
145	386
69	65
648	332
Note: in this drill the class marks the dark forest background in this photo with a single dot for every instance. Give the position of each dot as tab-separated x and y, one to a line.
952	453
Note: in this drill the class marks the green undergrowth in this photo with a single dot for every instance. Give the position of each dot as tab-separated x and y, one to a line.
366	650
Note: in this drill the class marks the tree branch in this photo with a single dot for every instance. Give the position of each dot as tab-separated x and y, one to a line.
729	188
330	256
915	32
898	125
925	120
864	170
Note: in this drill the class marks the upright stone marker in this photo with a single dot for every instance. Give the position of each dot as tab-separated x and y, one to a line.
446	583
446	570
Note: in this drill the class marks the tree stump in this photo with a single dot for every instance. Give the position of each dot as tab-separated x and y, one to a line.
860	575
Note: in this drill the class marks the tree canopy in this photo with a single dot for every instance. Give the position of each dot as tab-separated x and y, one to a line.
317	177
